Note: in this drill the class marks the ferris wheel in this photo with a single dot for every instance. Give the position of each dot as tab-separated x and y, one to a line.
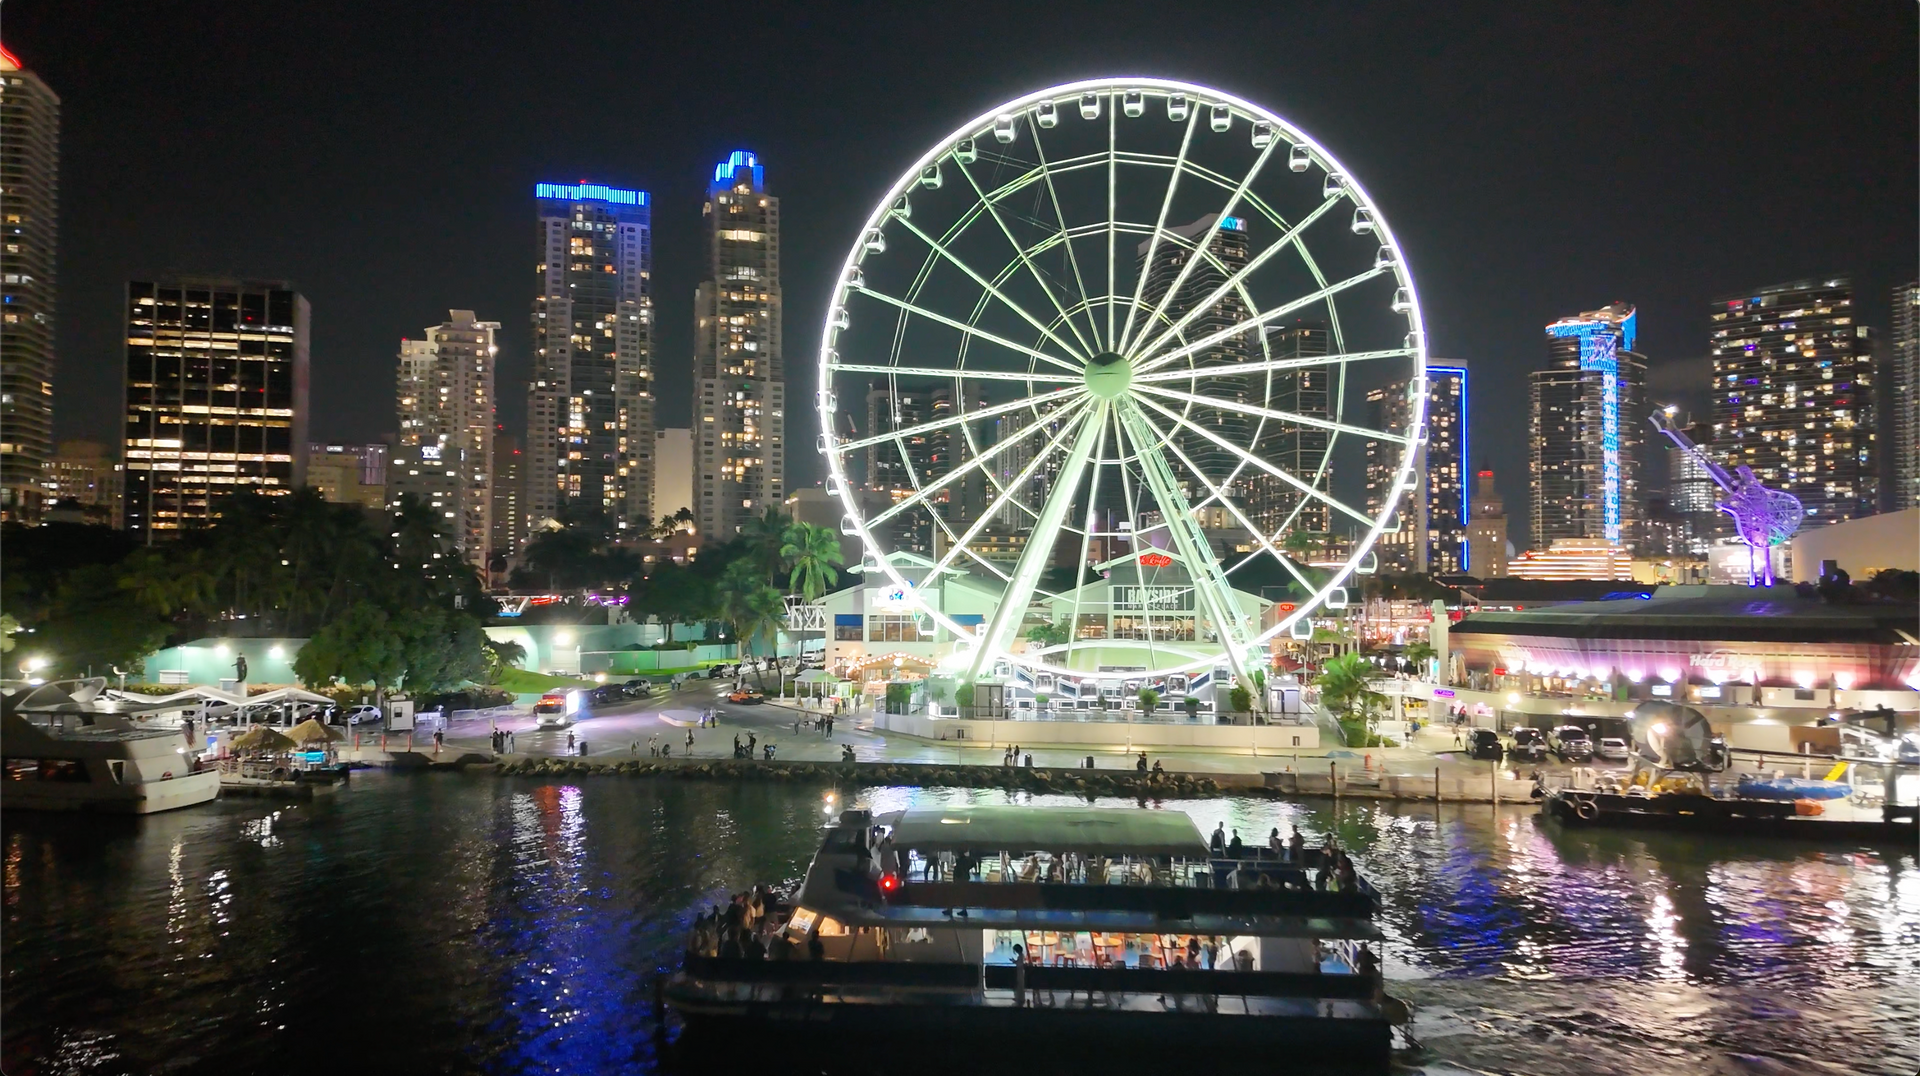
1139	354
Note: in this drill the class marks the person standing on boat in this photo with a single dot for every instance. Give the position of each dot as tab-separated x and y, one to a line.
1236	849
1275	845
1218	844
1297	847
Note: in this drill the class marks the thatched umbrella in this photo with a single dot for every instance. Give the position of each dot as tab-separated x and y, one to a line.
261	738
312	731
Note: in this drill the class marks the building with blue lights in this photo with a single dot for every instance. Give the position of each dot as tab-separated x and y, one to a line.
590	401
1588	408
740	374
30	172
1432	537
1793	395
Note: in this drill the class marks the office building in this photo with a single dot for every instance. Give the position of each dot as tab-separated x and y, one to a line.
1487	544
1306	452
85	473
444	402
1587	413
508	517
1902	393
1433	515
216	397
672	471
739	370
590	403
1691	519
29	203
349	474
1793	395
1574	558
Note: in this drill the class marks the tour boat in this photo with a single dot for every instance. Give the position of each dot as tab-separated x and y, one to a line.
1074	926
62	753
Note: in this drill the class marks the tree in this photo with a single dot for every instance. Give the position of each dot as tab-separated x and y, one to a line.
1345	684
501	655
361	646
963	697
1045	635
813	552
752	608
764	536
1418	654
1240	699
89	626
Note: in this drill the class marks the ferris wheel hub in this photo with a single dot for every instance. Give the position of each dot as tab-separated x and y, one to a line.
1108	375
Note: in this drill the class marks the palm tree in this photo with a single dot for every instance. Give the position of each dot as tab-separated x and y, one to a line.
747	604
1418	654
1346	689
765	535
813	552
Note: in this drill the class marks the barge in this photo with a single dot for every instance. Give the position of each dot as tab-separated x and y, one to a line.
1092	929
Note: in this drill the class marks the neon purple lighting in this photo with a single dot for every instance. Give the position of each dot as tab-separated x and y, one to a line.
1762	517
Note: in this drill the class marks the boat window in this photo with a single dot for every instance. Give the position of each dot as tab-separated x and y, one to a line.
118	767
831	927
802	920
63	769
23	769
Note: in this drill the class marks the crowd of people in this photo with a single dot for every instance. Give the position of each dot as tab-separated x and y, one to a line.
750	927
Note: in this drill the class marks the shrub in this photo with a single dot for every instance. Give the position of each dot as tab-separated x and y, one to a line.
963	696
1240	699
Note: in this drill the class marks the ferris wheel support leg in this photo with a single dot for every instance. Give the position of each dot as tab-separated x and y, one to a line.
1216	597
1039	548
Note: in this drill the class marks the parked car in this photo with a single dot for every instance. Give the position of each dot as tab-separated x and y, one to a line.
1612	749
1529	744
747	698
722	671
1571	743
637	688
1485	744
360	715
606	693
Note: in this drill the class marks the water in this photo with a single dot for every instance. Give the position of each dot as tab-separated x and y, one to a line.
477	925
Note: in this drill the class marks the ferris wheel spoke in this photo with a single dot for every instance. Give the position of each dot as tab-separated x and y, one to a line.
1266	540
978	461
1054	444
1284	476
1244	369
1020	251
1233	203
1283	243
954	323
1073	259
1113	118
940	249
1086	534
1160	225
1278	416
1149	363
958	372
1055	396
1038	551
1210	586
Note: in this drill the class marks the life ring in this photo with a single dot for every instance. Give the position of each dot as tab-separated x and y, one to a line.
1587	810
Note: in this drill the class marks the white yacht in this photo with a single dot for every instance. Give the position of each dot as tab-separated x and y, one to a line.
65	749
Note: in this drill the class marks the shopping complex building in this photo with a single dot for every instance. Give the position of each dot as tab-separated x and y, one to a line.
1767	666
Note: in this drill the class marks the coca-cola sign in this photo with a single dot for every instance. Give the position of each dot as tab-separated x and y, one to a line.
1156	560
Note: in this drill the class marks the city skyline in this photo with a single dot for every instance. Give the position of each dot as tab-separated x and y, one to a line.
1475	205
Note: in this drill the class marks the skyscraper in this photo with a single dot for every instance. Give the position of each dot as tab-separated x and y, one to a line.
740	375
350	474
1793	395
216	397
1487	529
1901	391
1300	450
590	403
444	398
1586	418
29	202
507	518
85	471
1433	516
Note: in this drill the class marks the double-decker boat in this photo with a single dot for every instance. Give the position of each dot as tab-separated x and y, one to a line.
1066	925
71	752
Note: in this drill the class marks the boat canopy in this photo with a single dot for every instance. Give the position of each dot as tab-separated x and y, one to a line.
1107	831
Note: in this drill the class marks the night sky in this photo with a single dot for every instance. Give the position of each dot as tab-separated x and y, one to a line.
1536	160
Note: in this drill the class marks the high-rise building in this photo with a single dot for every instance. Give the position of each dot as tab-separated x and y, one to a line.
1487	529
509	496
1226	245
1691	498
1301	450
1793	395
216	397
1901	391
739	371
590	403
349	474
29	222
1586	418
444	403
1433	516
87	473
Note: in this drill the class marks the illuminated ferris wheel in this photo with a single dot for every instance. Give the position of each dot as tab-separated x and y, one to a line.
1108	348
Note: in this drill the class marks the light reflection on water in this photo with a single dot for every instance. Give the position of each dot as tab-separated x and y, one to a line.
481	925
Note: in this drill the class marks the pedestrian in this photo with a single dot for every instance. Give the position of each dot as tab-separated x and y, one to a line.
569	743
1140	764
439	737
753	742
1457	742
1218	844
509	741
653	746
736	745
634	747
666	750
689	742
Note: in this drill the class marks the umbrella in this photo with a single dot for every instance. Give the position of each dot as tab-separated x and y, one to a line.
816	676
261	738
312	731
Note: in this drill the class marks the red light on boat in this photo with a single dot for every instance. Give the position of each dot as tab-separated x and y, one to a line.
889	882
